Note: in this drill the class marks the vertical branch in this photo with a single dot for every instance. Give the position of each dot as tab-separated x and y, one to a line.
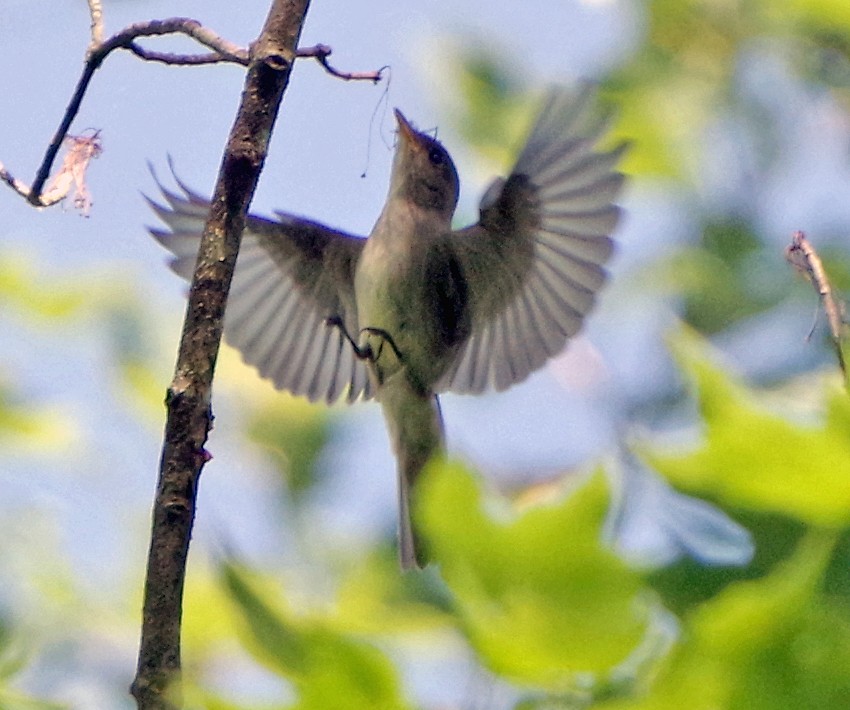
803	257
156	685
96	14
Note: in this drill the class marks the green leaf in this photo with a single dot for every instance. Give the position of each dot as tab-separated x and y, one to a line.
489	110
833	14
328	669
14	657
754	459
373	598
11	699
539	596
769	644
294	434
22	287
27	426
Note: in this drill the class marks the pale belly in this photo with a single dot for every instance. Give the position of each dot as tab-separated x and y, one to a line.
403	298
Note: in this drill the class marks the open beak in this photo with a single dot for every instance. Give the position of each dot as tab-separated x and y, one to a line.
407	132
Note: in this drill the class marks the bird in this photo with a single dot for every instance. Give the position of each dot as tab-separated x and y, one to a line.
418	308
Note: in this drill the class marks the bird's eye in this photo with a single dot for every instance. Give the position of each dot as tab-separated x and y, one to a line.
436	156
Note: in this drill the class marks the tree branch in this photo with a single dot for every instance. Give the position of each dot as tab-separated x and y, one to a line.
803	257
180	59
321	52
96	14
227	51
189	419
99	49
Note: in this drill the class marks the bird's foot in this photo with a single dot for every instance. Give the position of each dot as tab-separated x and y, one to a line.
385	338
364	353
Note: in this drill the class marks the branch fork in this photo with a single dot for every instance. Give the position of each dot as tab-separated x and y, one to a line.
80	149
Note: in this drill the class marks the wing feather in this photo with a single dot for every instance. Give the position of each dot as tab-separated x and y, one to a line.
291	274
535	261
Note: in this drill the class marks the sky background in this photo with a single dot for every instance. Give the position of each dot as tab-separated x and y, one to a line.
329	133
87	492
89	489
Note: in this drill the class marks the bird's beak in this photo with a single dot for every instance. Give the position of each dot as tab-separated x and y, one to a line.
408	133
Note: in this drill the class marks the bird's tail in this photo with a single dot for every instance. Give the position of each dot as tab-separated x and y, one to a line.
416	432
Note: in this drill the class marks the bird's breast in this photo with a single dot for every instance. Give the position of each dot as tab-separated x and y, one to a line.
412	288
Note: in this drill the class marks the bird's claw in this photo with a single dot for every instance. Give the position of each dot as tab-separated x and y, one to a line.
365	352
385	338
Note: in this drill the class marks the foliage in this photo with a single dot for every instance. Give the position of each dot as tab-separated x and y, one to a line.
544	603
541	608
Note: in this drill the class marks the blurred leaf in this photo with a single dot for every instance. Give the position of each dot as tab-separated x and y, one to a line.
199	698
818	13
32	427
133	341
758	460
208	619
718	277
294	433
11	699
769	644
540	598
677	81
22	287
13	657
688	583
13	660
330	670
374	598
490	108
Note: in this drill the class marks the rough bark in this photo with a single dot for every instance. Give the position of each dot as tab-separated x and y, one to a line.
189	419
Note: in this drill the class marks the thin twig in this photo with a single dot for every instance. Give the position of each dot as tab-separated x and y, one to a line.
34	196
99	50
321	52
20	187
803	257
96	14
229	51
150	55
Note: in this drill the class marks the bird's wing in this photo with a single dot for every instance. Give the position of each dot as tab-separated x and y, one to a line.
534	261
290	276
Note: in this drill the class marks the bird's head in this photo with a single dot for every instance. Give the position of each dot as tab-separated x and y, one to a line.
423	170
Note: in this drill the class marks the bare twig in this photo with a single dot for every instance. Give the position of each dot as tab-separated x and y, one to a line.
34	195
228	51
20	187
181	59
321	52
156	685
97	53
803	257
96	14
99	49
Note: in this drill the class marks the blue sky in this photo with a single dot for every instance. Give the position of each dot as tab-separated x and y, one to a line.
94	485
87	494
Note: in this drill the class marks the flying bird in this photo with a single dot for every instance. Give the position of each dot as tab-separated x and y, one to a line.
419	308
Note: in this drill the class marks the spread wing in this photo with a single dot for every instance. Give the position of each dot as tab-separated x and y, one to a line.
534	261
291	274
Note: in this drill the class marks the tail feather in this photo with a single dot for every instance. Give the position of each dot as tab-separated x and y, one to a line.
416	432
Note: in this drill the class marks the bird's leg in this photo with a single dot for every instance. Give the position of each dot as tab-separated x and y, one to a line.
364	353
385	338
369	352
